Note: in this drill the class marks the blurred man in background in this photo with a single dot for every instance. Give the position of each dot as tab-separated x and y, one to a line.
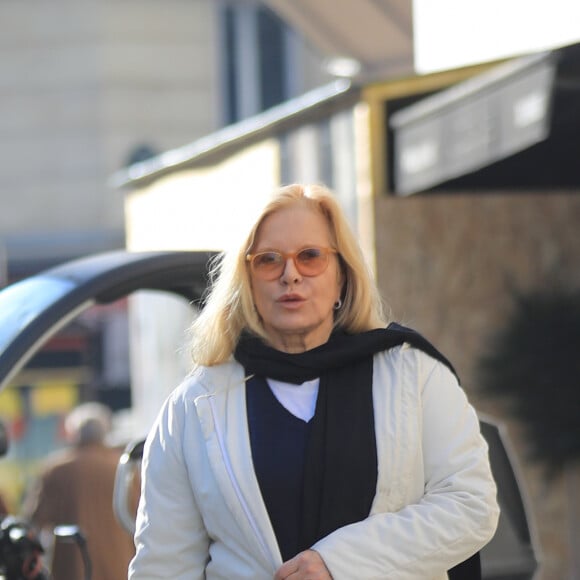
75	487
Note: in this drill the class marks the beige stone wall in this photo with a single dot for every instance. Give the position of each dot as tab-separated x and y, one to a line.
160	74
446	265
81	84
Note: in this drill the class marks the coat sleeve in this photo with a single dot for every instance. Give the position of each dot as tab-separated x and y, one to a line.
170	538
457	513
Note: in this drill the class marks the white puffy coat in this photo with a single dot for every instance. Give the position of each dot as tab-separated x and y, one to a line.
201	514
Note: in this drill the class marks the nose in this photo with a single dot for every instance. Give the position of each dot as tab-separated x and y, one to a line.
290	274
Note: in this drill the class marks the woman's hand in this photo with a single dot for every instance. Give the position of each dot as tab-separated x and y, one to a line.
307	565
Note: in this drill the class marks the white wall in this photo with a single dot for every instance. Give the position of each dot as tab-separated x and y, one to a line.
82	83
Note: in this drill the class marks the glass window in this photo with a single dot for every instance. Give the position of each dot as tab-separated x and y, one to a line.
272	55
256	59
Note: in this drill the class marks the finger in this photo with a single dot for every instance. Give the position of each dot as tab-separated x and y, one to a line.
286	570
307	564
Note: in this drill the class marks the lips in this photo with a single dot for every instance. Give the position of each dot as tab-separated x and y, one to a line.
290	299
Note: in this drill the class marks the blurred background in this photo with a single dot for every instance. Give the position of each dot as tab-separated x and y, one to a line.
449	131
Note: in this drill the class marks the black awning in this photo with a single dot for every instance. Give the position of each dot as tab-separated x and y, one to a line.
479	122
34	309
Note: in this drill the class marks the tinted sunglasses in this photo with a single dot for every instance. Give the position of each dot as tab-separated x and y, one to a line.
270	264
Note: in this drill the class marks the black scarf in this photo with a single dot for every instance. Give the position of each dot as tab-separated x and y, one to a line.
340	351
339	480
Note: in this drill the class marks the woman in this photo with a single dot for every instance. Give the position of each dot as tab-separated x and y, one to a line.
310	441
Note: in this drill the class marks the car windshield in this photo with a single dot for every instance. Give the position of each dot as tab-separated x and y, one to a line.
22	302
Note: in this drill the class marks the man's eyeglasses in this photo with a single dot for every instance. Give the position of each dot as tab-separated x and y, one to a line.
270	264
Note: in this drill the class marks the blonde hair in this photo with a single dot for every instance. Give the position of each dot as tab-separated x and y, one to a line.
229	308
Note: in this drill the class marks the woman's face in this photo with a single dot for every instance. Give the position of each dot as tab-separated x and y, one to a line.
297	311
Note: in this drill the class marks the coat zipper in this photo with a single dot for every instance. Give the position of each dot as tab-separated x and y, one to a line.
234	482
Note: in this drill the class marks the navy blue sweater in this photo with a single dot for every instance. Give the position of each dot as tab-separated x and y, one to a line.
278	440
